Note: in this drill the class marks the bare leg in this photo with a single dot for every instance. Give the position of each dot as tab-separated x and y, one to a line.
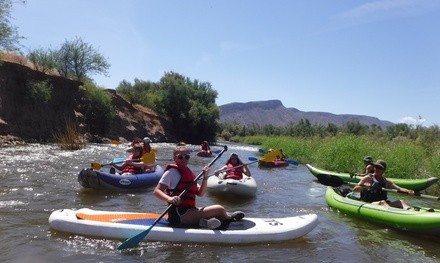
192	216
399	204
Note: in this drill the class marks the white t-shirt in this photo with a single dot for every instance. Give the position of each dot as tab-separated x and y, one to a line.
170	178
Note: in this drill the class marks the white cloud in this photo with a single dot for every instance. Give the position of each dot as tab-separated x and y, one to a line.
413	121
385	9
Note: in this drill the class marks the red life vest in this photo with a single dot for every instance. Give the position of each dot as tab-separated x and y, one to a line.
205	147
236	173
132	169
186	180
137	169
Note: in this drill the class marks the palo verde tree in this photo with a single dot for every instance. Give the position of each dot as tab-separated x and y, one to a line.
9	37
78	60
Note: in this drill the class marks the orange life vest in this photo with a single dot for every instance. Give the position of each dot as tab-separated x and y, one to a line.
186	180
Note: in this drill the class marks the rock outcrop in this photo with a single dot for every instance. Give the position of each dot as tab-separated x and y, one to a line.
24	120
273	112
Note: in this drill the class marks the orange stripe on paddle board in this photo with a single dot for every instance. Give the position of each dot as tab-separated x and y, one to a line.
117	217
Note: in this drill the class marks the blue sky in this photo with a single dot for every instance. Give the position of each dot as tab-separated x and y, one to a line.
378	58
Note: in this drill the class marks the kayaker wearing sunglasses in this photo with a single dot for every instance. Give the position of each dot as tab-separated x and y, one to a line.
176	178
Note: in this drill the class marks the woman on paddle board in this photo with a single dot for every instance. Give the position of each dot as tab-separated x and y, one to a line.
178	177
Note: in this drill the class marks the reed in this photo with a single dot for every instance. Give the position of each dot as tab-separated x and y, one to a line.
406	158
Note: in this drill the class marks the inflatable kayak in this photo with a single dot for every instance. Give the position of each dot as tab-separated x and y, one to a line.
124	225
274	163
244	187
89	178
414	184
202	153
416	219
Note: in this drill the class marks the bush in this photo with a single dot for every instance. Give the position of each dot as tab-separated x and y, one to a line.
70	139
39	91
99	110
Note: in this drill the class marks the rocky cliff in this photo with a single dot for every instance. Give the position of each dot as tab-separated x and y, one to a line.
24	120
273	112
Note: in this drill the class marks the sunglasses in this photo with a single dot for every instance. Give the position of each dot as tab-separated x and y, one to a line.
180	156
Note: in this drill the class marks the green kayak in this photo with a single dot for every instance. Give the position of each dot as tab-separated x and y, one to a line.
420	220
414	184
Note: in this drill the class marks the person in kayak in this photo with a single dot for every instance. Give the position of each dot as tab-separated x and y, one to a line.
205	147
146	145
130	166
178	177
235	168
371	187
369	166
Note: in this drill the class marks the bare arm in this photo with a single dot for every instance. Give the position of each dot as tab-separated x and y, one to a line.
202	186
392	185
246	170
160	193
365	182
217	172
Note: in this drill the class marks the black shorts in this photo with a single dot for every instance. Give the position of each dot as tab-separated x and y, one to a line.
176	212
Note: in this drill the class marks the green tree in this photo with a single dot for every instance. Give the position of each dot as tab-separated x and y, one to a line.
141	92
190	105
43	59
78	59
99	110
9	37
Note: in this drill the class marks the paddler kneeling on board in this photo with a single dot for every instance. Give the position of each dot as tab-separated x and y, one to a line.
176	178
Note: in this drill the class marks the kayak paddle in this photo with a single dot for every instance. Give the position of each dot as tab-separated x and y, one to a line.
147	158
335	181
133	241
232	168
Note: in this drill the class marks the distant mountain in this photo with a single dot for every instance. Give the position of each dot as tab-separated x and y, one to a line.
273	112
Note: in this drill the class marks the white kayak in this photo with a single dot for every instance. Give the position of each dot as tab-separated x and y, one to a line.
244	187
124	225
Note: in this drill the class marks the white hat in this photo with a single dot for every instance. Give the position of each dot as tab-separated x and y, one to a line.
147	140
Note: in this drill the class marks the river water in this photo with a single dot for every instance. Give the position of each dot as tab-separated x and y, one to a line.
37	179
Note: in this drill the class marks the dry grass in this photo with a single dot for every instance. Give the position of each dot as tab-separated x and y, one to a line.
71	138
16	58
22	60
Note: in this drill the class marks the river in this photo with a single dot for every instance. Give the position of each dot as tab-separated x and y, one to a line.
37	179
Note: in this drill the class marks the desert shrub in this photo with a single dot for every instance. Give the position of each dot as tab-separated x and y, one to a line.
99	110
70	138
39	91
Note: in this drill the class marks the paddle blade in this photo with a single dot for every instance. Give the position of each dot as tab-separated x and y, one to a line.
116	142
262	151
253	159
329	180
96	166
134	241
148	158
292	162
